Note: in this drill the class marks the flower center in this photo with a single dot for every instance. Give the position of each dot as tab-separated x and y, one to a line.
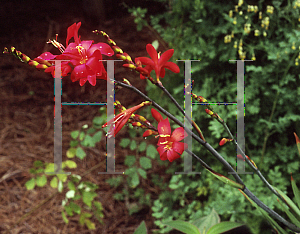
167	144
82	53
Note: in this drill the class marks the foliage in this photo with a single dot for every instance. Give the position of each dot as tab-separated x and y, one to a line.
266	33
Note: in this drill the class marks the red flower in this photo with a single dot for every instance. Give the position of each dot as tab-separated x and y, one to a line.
121	119
158	63
169	146
85	56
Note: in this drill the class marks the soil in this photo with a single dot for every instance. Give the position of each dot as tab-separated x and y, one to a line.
27	123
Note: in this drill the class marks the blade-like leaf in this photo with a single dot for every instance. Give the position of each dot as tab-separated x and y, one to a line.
223	227
296	191
226	180
265	214
206	222
183	226
290	203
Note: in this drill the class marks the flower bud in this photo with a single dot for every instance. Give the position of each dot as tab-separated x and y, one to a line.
131	66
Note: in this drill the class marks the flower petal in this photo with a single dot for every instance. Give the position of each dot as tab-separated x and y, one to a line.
162	153
165	57
178	134
172	155
92	79
172	66
86	44
156	115
179	147
94	64
152	52
164	127
82	81
145	61
102	47
80	71
73	32
46	56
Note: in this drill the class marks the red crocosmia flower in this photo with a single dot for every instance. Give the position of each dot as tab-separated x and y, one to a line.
85	56
121	119
169	146
158	63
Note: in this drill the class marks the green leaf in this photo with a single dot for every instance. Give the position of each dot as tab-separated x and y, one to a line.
70	164
133	179
73	143
84	216
80	153
142	172
38	163
76	208
75	134
145	163
124	142
30	184
206	222
90	225
65	219
69	210
49	168
41	180
81	136
91	130
88	197
71	185
71	152
142	229
226	180
183	226
97	136
151	151
129	160
97	120
54	182
296	192
60	186
291	204
62	177
88	141
142	146
98	205
133	145
223	227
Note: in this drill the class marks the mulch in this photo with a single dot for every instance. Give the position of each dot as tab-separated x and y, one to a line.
27	123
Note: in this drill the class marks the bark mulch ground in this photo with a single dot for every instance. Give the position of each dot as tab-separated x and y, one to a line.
27	124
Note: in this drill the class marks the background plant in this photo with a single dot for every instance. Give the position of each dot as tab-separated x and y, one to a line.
271	81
